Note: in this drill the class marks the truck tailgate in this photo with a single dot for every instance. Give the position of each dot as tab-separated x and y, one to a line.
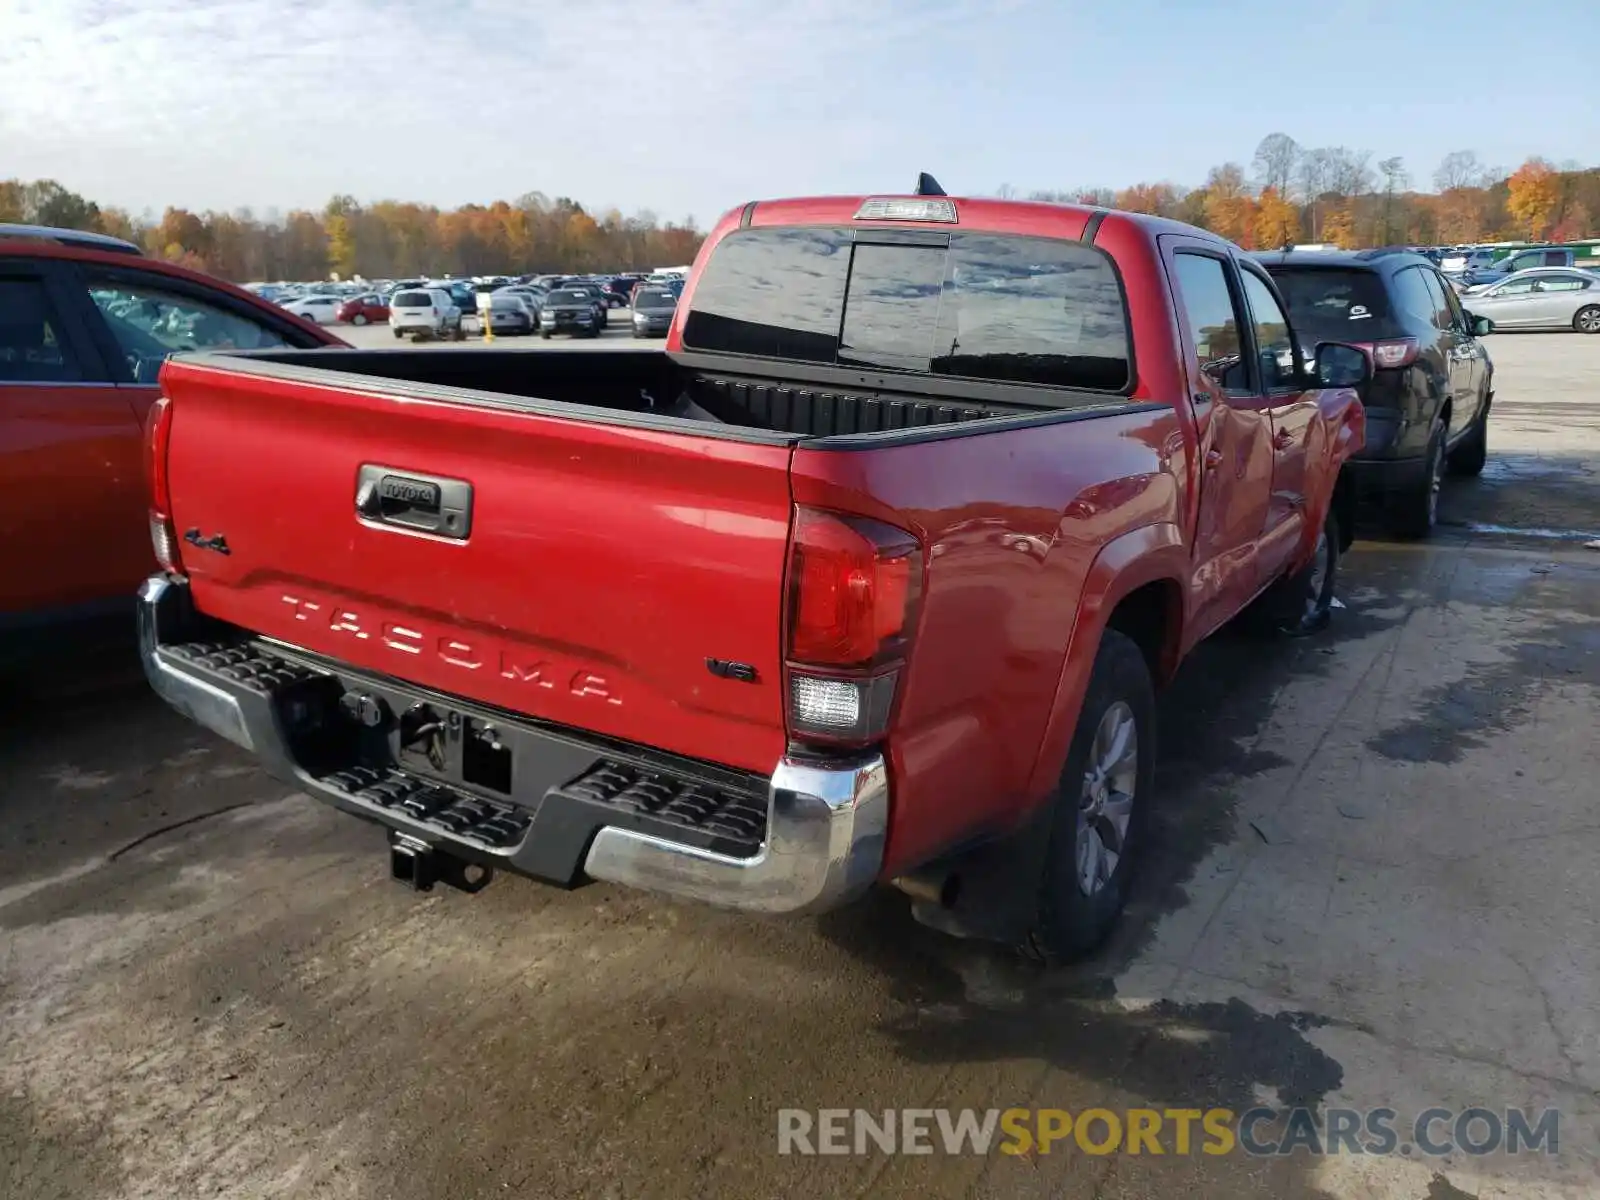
598	569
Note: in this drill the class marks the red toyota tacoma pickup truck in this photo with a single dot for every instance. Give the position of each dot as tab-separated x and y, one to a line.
869	576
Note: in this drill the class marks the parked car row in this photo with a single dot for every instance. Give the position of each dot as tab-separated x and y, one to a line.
496	304
1472	268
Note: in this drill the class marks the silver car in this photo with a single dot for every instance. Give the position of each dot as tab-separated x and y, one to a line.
1540	298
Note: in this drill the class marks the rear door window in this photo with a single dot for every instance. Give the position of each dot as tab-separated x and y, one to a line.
1412	298
1330	304
1443	318
990	307
1214	325
32	348
150	322
1275	348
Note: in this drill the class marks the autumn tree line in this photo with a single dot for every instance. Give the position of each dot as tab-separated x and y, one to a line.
1331	194
386	240
1290	193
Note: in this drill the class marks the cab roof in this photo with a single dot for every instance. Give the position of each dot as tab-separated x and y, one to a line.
69	237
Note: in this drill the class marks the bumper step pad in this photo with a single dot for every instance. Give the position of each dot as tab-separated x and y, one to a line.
727	816
488	822
248	666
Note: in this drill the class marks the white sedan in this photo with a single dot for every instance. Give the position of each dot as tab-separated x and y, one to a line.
324	310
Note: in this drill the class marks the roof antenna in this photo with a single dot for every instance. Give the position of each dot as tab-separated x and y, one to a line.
927	185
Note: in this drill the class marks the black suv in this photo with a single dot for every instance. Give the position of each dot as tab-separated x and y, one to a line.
1428	401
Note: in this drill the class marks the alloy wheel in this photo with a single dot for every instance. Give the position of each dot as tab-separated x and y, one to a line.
1105	807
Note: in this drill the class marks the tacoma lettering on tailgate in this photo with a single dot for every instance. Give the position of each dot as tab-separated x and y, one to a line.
512	663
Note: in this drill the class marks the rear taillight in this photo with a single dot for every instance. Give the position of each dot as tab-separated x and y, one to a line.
853	591
1393	354
163	536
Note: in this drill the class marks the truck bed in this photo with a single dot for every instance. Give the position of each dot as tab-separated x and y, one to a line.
655	389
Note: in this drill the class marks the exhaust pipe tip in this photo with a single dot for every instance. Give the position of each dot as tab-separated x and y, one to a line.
939	888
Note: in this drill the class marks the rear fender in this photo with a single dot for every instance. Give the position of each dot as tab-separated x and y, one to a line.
1149	554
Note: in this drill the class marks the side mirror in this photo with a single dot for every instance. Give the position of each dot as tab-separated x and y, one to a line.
1341	365
1479	325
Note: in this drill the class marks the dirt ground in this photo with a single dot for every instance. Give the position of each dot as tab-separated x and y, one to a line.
1372	883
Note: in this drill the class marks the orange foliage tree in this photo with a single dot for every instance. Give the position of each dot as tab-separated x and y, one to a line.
1339	227
1277	221
1532	194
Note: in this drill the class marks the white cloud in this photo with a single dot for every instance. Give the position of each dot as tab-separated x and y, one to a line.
676	105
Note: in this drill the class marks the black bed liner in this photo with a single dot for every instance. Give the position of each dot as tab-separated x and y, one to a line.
743	399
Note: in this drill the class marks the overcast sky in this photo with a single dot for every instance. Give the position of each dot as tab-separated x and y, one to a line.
695	106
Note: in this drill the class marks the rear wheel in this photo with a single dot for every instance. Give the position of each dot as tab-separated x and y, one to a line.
358	319
1468	457
1098	817
1587	319
1416	512
398	334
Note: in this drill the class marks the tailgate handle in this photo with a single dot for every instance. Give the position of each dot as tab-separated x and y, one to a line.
408	500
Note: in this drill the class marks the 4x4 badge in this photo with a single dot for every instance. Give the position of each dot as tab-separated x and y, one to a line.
215	542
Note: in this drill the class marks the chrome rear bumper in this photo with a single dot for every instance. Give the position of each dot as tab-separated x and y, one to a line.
825	829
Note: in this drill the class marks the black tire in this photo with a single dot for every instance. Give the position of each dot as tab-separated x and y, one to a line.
1303	603
1473	450
1587	319
358	319
1415	513
1073	917
545	334
398	334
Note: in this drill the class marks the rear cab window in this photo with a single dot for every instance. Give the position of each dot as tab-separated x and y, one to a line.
993	307
411	300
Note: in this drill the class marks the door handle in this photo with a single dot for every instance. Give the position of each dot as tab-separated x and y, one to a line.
1213	459
427	503
1282	440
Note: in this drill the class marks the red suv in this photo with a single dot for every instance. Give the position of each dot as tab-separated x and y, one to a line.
370	309
85	324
